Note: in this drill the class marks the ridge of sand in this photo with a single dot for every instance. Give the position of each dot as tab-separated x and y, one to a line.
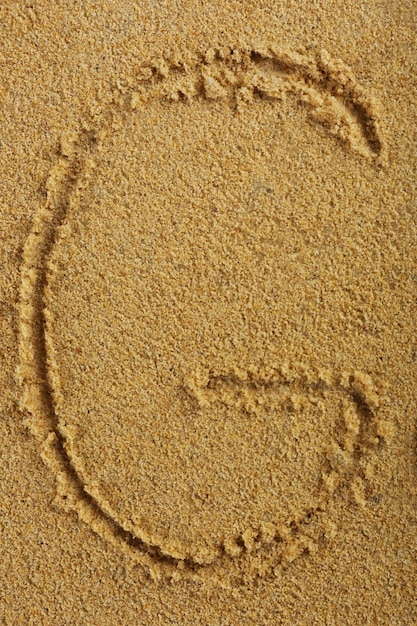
335	100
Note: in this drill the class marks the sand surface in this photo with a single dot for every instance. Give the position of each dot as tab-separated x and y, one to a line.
208	313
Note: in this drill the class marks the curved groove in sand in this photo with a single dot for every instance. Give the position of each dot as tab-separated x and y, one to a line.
325	86
330	91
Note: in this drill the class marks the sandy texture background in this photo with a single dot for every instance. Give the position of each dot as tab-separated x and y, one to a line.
54	60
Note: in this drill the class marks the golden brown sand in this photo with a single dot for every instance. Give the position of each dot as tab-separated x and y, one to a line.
208	313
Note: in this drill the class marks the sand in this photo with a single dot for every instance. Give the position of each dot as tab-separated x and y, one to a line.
208	313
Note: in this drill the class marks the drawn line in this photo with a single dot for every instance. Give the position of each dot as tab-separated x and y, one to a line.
325	86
